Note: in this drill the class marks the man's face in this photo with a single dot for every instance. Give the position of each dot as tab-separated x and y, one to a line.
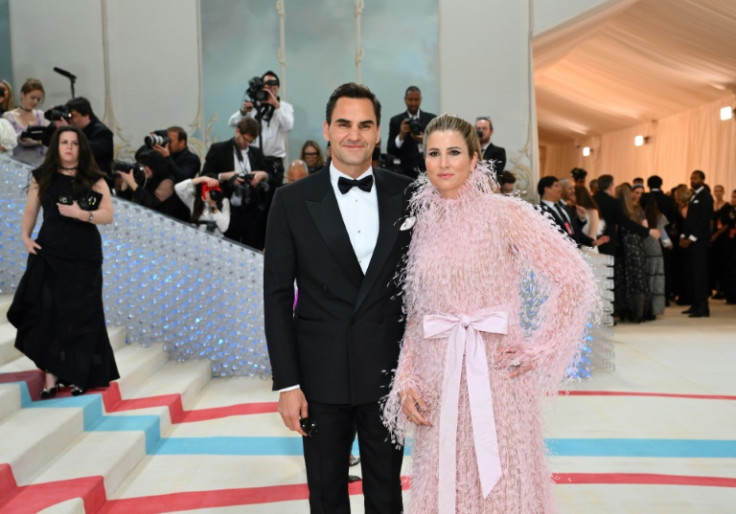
553	193
733	198
413	100
243	140
483	127
77	120
176	145
695	181
353	133
270	83
568	191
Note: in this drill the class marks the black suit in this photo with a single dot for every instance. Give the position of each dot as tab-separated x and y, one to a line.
100	139
247	222
613	214
697	225
343	339
497	154
183	165
411	159
571	226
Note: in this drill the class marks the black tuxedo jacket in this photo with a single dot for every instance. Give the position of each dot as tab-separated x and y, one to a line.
699	214
183	165
613	214
100	139
497	154
575	230
665	204
221	159
409	154
342	341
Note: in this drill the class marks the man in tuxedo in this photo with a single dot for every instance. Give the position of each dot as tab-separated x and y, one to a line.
695	238
491	152
231	162
551	191
406	134
339	234
614	216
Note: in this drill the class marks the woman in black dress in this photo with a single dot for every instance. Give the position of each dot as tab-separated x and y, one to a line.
57	308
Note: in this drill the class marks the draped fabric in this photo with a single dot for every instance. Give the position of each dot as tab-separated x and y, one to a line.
661	69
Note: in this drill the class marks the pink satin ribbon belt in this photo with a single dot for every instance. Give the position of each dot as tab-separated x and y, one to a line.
464	340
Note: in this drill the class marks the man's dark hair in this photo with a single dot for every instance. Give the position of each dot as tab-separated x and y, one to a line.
638	179
352	90
544	183
82	106
654	182
507	178
412	89
248	126
269	72
700	174
180	132
604	182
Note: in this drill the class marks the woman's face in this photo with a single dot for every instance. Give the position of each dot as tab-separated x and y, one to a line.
448	162
68	149
310	156
31	99
636	194
718	193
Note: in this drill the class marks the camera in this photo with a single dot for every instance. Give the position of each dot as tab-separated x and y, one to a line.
415	127
157	137
34	132
58	112
479	133
255	90
249	195
139	174
87	201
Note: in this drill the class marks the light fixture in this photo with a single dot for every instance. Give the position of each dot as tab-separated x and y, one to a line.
586	151
641	140
726	113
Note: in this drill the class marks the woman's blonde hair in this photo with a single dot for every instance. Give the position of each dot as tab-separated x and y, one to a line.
450	123
7	103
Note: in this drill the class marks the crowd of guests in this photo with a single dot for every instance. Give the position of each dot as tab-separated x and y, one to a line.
673	247
668	247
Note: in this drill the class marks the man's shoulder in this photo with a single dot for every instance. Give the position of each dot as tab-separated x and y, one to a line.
219	146
391	179
427	116
97	128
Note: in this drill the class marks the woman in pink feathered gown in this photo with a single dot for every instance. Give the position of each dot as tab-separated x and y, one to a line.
497	301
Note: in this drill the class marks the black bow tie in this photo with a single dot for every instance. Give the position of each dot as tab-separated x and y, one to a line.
346	184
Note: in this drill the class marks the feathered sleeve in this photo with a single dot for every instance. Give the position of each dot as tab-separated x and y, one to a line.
560	274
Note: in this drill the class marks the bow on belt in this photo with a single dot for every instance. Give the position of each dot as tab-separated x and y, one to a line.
464	338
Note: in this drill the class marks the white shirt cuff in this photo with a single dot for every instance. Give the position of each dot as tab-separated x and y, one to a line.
290	388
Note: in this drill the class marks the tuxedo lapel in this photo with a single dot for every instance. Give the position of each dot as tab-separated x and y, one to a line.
326	216
390	211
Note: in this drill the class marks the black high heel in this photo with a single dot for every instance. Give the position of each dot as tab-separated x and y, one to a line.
77	391
49	392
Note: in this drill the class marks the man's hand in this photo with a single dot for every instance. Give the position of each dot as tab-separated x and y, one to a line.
293	407
163	150
258	177
655	233
129	179
405	128
246	107
272	99
601	240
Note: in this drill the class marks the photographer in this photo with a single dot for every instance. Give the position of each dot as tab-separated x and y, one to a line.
210	210
239	167
78	113
406	134
276	117
183	164
147	181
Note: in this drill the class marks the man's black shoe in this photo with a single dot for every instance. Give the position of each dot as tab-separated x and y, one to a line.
688	311
699	314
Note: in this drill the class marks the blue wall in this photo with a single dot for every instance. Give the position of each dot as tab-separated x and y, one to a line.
240	39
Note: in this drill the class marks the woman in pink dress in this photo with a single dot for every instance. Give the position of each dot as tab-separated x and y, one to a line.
496	301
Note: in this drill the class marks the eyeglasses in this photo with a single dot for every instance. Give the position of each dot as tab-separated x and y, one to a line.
311	154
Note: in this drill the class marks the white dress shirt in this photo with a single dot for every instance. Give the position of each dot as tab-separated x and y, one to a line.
359	211
274	131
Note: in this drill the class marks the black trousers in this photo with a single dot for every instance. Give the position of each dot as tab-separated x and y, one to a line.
698	257
326	454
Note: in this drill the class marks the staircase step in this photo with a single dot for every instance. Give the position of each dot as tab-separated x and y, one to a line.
31	437
109	454
74	506
136	365
7	343
9	400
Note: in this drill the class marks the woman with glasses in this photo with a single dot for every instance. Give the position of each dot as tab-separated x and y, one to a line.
312	155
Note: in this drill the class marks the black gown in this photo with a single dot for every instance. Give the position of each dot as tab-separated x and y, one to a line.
57	307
